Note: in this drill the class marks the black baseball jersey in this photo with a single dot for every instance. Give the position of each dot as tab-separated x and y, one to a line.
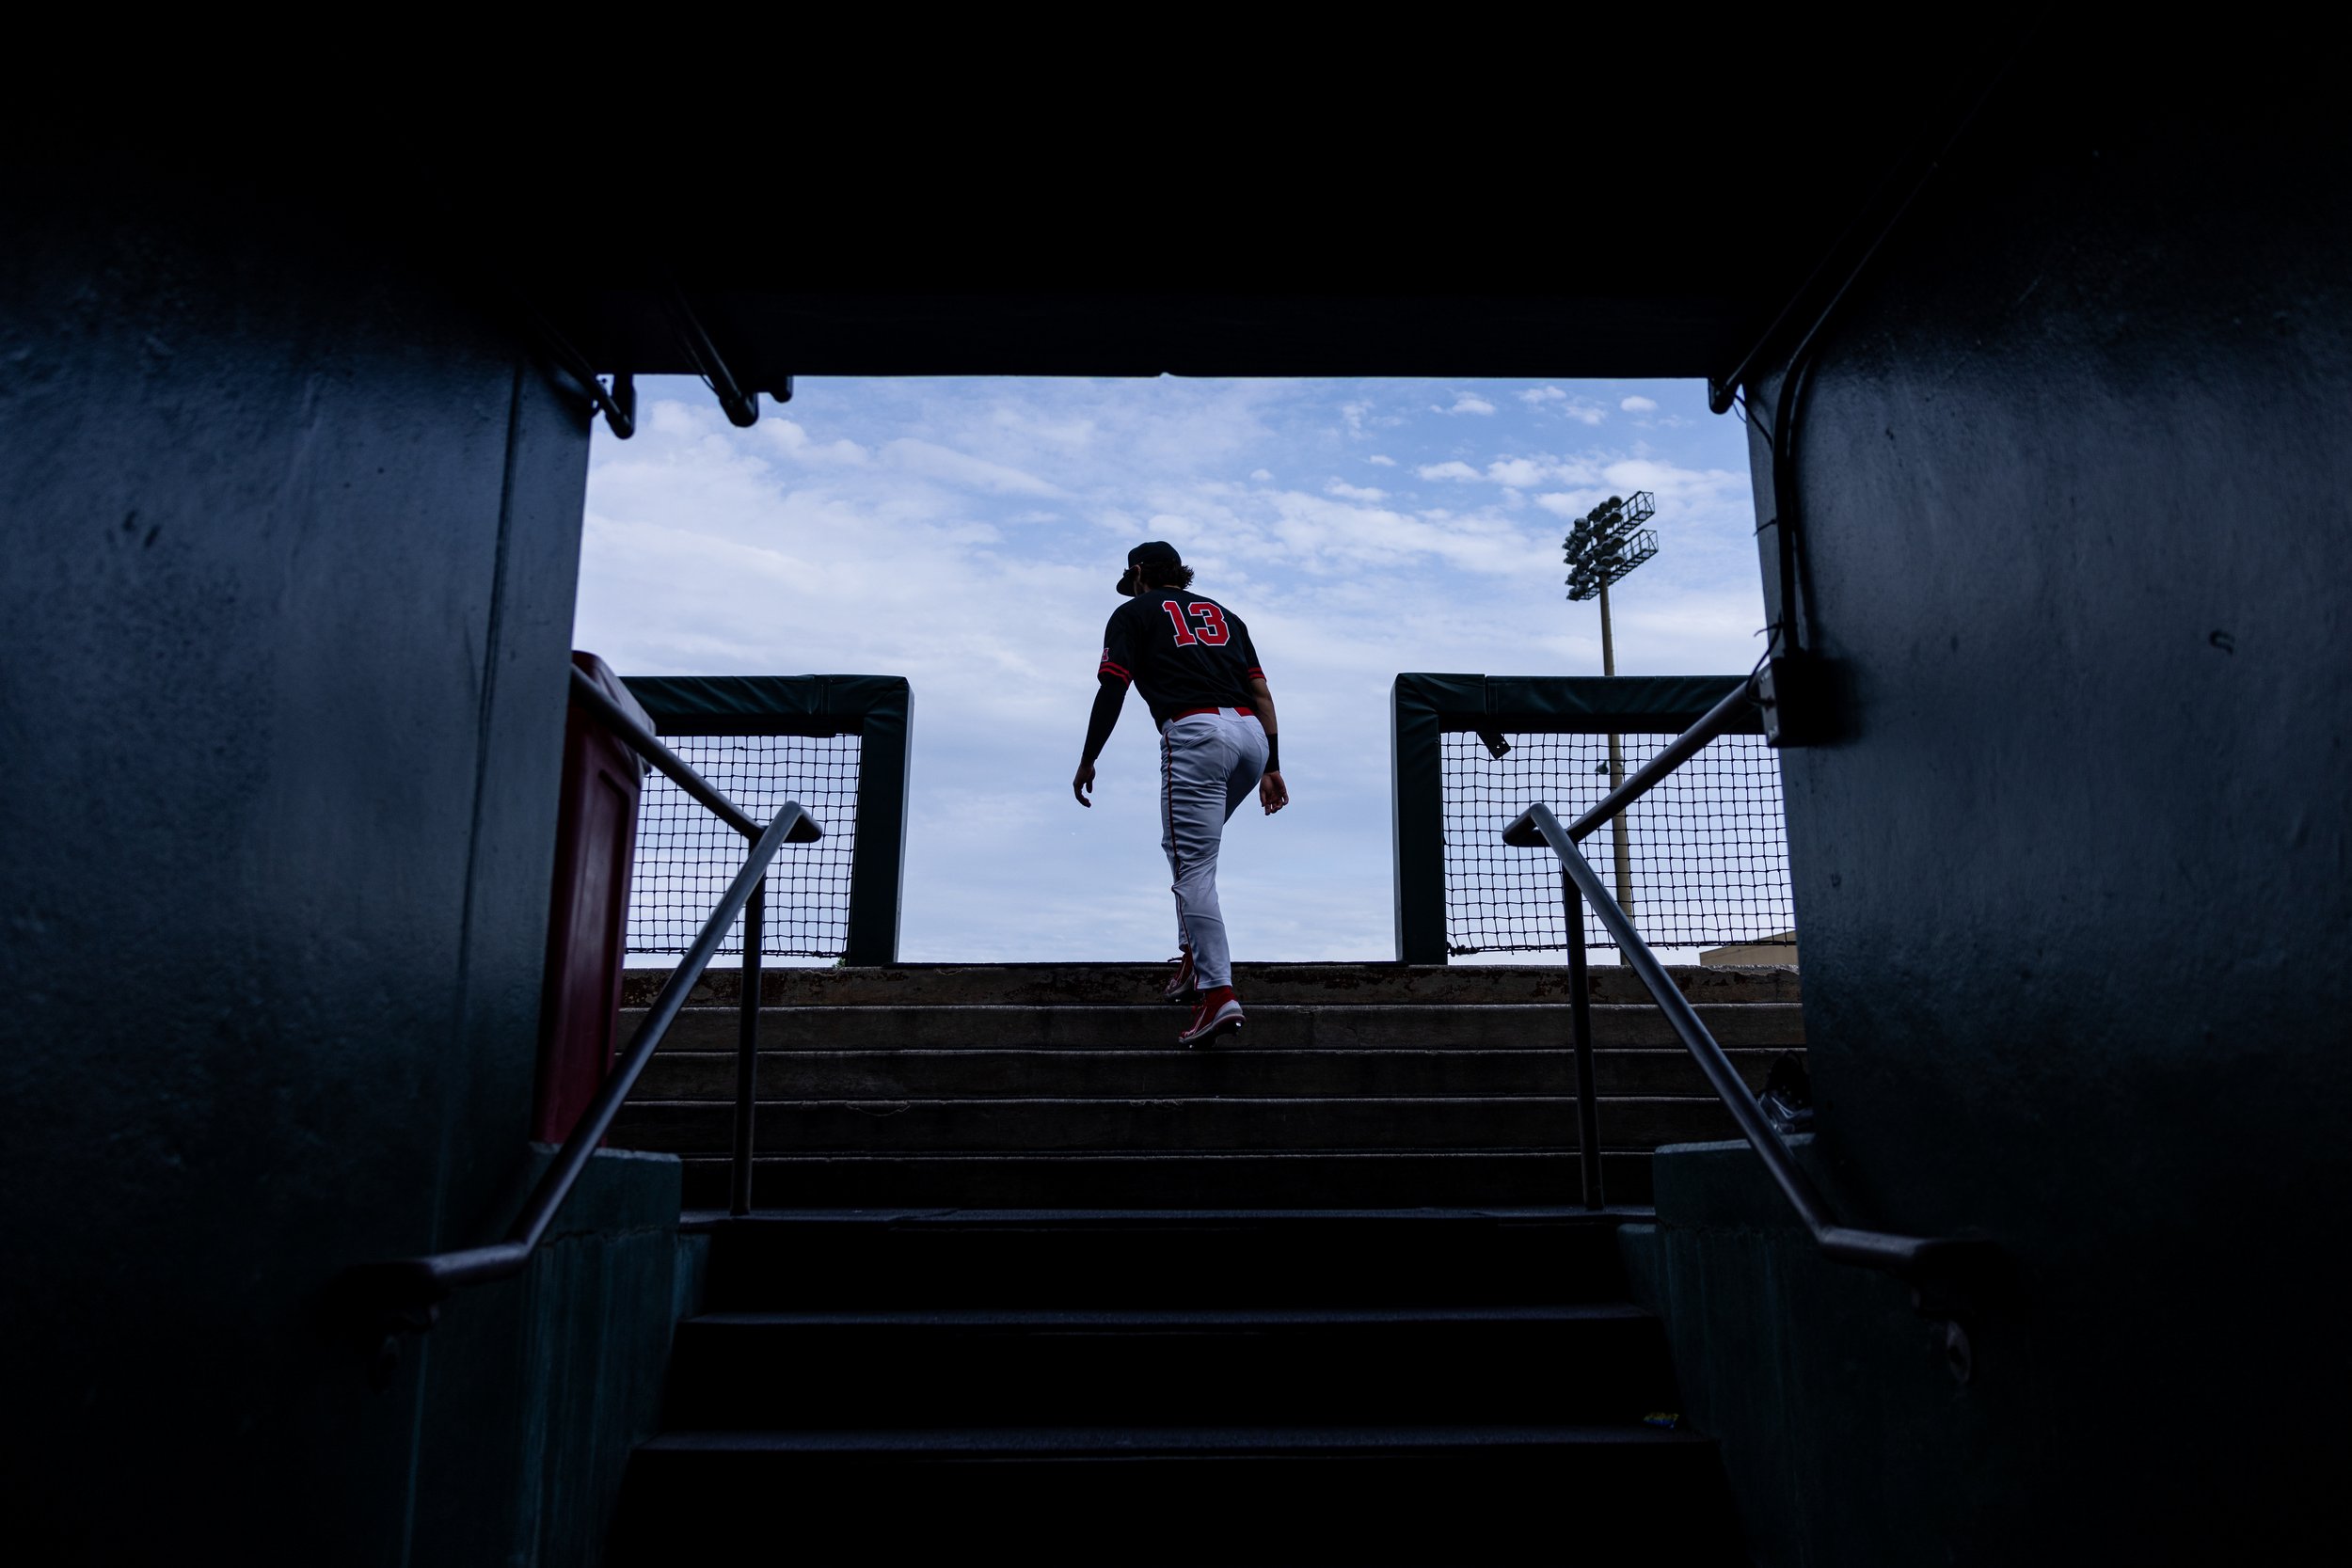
1180	651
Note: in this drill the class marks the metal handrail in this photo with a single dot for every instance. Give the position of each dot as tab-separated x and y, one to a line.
405	1292
613	717
1913	1258
1714	722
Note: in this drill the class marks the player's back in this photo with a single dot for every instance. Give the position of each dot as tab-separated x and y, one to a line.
1182	650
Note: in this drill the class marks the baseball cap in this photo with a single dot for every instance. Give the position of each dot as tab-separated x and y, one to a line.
1152	552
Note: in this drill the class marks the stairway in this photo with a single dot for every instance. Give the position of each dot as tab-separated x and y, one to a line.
1058	1086
1171	1386
1030	1281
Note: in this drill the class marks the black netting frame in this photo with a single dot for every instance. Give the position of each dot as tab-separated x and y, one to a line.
685	856
1707	849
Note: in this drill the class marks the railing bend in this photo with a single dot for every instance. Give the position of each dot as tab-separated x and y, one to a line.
405	1293
1948	1275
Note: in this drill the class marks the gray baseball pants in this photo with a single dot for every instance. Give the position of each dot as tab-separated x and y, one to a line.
1209	763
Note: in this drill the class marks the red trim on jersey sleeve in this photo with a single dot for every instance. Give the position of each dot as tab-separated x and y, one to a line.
1110	669
1253	672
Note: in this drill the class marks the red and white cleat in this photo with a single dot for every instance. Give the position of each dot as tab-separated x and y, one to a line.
1180	983
1217	1013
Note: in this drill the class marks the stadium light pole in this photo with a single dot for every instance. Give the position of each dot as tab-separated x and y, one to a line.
1602	546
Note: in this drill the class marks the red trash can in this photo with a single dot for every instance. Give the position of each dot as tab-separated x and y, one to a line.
596	842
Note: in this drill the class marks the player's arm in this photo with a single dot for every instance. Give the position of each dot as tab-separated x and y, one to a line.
1108	697
1273	794
1112	676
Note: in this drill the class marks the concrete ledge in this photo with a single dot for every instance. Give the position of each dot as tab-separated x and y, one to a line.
537	1388
1036	985
1810	1373
1293	1026
1722	1185
622	1191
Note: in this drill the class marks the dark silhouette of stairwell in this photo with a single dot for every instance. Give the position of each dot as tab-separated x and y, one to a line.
1047	1284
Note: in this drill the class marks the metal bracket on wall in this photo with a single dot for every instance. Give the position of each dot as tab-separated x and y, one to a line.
618	403
1798	697
1956	1281
741	404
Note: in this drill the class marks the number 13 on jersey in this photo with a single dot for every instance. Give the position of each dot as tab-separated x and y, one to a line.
1211	629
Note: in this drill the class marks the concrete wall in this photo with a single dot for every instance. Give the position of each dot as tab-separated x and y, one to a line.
2074	887
291	533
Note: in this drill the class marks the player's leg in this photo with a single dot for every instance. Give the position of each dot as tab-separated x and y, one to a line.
1167	836
1245	763
1195	791
1248	764
1180	985
1199	761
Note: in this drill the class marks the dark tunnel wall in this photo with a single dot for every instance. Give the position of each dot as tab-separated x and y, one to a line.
2074	887
291	540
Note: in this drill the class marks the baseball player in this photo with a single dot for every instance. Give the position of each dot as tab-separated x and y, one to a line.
1192	659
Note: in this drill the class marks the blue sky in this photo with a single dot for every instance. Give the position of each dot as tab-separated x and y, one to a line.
965	533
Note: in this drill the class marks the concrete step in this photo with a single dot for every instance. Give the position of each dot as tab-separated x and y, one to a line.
842	1259
1227	1494
1401	1026
1520	1178
1163	1367
1055	985
1353	1085
1172	1125
984	1072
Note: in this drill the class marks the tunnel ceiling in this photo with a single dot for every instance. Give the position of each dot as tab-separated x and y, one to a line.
1640	227
1648	218
1663	258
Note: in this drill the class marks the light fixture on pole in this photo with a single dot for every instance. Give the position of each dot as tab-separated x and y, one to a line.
1603	545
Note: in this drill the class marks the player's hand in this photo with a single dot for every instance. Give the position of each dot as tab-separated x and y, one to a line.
1084	782
1273	793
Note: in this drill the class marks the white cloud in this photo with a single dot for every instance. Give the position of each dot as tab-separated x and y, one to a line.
1711	502
1260	474
1583	410
1354	492
1465	402
1521	471
1362	421
1720	496
1639	406
1383	461
1028	424
1328	532
793	441
952	466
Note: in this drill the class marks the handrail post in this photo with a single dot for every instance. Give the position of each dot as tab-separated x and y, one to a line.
411	1288
1580	1015
747	1049
1948	1275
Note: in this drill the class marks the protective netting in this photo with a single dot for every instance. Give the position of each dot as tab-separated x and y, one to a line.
685	856
1707	851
